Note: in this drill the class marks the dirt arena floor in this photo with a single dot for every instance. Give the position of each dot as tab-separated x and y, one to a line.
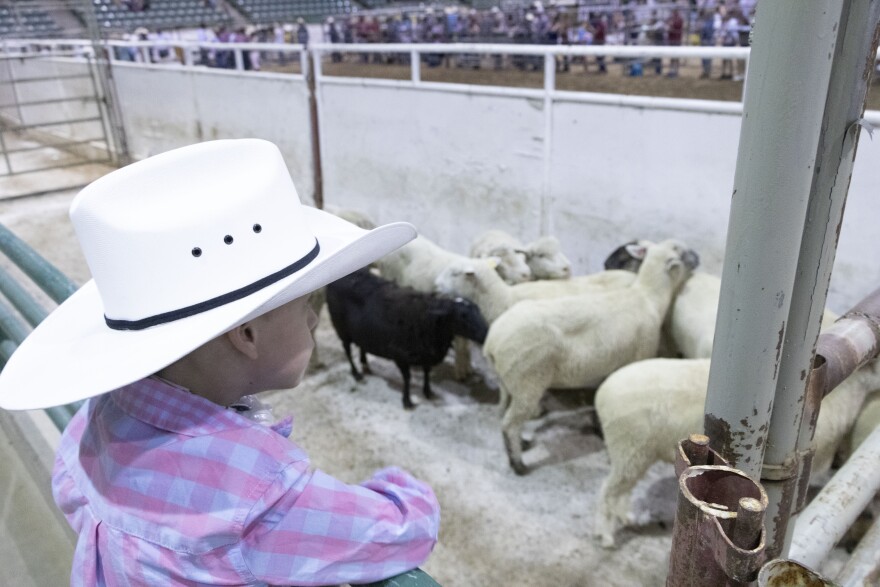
456	69
497	528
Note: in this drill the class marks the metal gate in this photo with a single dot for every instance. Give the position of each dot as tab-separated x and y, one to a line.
52	116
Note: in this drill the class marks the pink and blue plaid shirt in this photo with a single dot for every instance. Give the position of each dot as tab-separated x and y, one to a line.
167	488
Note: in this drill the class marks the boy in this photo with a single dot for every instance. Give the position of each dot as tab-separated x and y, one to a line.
202	260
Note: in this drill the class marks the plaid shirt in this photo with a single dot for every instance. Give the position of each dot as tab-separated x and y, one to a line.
167	488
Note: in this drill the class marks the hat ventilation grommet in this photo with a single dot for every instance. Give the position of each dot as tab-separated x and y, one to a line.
258	229
196	252
228	239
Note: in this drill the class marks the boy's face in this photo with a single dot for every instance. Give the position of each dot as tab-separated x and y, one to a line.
286	343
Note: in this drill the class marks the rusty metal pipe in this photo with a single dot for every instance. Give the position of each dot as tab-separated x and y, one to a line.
852	341
704	548
824	522
718	536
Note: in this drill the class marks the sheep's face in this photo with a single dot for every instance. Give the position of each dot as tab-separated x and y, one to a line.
546	259
463	279
467	321
512	266
680	260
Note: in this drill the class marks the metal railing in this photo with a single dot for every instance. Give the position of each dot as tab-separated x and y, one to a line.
185	53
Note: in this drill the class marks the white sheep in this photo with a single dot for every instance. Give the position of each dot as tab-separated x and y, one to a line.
544	255
477	280
511	257
646	408
574	342
417	264
689	329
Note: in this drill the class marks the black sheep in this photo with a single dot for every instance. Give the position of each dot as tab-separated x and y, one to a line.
399	323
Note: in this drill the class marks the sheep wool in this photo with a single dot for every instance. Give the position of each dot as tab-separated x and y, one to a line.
574	342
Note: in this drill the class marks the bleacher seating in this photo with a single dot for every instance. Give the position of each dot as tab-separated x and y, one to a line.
114	15
269	11
27	22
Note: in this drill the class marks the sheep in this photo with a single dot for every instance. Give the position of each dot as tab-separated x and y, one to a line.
400	324
544	255
647	407
574	342
477	281
689	329
511	257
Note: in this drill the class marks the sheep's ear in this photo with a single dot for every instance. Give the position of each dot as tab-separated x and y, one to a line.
637	251
493	262
674	267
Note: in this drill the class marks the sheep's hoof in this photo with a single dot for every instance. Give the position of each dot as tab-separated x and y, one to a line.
518	467
409	406
366	369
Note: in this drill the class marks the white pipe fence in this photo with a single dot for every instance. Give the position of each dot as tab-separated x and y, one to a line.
191	49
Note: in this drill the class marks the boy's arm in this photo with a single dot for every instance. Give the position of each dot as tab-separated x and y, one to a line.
312	529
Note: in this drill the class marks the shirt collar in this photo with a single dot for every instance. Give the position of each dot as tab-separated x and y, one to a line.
167	406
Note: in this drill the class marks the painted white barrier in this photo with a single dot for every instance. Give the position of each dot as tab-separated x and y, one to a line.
593	169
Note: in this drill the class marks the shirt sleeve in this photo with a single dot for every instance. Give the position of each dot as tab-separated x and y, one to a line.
311	529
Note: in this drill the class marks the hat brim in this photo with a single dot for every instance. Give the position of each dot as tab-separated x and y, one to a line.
73	354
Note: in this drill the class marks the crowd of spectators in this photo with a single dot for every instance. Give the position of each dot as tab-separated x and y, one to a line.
709	23
722	23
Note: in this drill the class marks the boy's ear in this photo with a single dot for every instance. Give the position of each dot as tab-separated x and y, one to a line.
244	339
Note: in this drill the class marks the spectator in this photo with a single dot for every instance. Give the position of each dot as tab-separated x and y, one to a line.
657	36
206	54
707	39
600	27
675	32
334	37
161	50
730	38
302	32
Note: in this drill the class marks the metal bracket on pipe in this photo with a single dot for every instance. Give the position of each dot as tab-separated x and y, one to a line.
719	537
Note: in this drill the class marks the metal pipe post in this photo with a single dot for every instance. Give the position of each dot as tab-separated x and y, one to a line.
787	459
789	76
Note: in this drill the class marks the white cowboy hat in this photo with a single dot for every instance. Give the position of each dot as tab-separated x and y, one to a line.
182	247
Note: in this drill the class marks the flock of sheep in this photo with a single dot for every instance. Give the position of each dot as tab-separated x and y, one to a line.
642	330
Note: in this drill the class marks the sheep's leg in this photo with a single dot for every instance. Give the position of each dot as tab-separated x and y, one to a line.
520	409
346	344
462	358
426	385
404	371
365	366
612	511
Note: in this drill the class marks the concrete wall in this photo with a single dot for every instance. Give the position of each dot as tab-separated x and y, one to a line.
455	164
167	107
